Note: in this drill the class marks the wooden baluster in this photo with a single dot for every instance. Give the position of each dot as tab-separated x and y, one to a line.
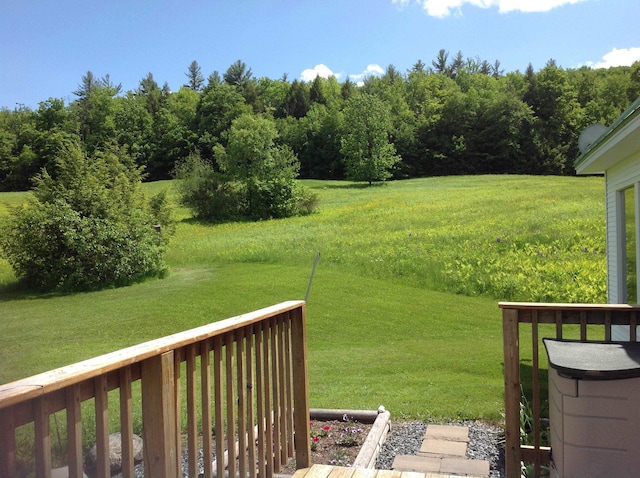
558	324
74	431
231	404
607	326
535	365
275	392
205	378
260	386
266	367
242	400
633	326
250	380
282	391
192	414
218	397
126	422
103	467
178	358
583	325
288	385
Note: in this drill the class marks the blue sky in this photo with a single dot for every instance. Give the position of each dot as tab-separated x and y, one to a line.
46	46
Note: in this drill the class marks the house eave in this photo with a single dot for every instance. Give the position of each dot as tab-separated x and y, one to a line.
619	141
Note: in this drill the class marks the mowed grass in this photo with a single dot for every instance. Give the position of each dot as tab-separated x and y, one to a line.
403	308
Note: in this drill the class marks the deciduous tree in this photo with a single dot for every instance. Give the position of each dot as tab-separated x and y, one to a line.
368	154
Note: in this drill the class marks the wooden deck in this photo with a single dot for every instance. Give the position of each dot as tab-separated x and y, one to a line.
327	471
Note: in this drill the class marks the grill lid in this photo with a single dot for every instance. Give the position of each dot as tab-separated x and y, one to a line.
594	360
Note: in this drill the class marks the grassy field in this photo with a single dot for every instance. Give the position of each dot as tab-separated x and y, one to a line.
403	309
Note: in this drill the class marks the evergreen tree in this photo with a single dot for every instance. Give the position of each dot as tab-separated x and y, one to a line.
194	74
88	228
298	101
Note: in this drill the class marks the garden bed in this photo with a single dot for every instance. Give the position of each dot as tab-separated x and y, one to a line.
346	437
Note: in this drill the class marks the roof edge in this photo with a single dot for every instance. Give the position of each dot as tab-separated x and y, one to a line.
622	119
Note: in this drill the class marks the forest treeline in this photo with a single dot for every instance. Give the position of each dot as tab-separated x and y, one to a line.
455	116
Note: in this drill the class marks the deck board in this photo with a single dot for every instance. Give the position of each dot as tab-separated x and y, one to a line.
328	471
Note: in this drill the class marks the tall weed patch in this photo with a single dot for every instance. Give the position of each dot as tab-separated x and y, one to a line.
524	238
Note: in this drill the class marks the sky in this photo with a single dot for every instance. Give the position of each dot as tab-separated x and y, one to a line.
47	46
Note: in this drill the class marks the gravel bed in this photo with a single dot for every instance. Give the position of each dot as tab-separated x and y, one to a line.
405	438
138	470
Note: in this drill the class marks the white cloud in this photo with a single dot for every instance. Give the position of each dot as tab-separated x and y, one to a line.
444	8
323	71
621	57
371	70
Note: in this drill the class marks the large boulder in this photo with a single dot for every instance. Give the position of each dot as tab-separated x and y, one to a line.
115	452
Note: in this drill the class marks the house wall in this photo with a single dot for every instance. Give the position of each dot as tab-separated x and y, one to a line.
623	175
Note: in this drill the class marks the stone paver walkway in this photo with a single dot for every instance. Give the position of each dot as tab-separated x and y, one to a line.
443	452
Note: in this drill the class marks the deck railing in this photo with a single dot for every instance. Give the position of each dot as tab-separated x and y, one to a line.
245	378
536	321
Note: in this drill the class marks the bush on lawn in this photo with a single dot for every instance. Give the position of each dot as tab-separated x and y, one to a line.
87	227
255	177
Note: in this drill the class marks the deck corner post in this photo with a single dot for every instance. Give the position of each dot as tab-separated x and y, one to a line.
7	443
510	334
159	417
302	438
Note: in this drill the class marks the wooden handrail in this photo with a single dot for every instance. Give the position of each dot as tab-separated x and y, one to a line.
255	360
588	317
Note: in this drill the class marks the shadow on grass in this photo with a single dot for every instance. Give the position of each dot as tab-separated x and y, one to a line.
20	291
198	221
351	185
526	379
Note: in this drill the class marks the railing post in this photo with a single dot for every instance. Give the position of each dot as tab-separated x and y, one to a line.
510	334
159	418
43	438
302	439
7	443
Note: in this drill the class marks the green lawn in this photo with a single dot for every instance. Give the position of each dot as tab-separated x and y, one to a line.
403	309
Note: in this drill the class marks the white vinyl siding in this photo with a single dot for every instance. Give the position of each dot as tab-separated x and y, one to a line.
623	175
620	177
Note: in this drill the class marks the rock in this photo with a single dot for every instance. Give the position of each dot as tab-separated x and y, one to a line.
115	452
62	472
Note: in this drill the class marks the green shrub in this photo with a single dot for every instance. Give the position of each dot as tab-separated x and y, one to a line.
88	228
278	198
207	193
257	178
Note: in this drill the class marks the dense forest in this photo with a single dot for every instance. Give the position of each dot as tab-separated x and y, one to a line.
455	116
